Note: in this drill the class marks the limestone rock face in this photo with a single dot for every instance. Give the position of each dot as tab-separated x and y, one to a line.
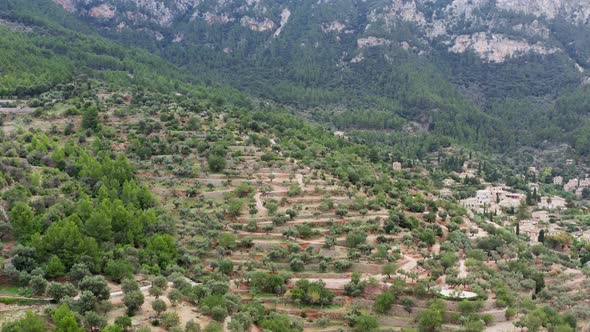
495	30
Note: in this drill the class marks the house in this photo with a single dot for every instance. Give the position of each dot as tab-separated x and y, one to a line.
577	186
396	165
571	185
445	192
541	216
493	198
552	203
558	180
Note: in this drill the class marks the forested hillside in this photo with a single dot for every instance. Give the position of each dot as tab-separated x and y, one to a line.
148	184
456	69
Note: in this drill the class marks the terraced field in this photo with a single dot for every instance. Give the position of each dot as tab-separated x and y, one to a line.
284	219
279	216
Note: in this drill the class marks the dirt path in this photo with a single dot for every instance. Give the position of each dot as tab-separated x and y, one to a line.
300	180
262	211
462	269
3	213
410	265
436	248
502	327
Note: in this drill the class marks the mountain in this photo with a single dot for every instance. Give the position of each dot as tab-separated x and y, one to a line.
493	30
498	75
343	33
486	72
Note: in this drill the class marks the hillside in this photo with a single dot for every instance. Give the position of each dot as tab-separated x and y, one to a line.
256	219
486	73
139	194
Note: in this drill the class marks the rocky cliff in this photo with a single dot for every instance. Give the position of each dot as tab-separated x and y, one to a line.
495	30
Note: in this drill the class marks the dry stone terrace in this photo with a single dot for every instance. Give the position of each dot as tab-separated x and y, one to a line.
270	213
316	199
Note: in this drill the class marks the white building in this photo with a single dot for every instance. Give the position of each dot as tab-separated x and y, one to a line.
493	198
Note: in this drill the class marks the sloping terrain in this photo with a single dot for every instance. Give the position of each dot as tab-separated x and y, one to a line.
482	73
258	208
133	199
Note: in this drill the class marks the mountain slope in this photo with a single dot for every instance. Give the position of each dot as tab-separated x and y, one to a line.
481	72
43	46
445	66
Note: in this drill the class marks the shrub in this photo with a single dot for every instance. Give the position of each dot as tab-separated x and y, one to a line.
384	302
314	293
192	326
159	306
133	301
510	313
38	285
219	313
216	163
213	327
170	319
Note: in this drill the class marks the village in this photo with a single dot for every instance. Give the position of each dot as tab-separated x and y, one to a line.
546	213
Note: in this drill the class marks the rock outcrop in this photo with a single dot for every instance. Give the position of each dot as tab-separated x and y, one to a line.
495	30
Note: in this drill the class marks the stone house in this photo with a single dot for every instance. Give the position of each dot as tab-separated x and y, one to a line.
552	203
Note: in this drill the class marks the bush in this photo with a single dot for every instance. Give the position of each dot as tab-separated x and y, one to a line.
510	313
322	321
342	265
116	270
219	313
78	272
213	327
262	282
278	322
314	293
97	285
38	285
384	302
192	326
57	291
31	322
133	301
170	319
216	163
124	322
297	264
355	287
159	306
364	323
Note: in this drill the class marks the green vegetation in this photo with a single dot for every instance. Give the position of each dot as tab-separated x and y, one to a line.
124	175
